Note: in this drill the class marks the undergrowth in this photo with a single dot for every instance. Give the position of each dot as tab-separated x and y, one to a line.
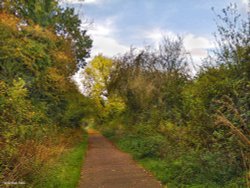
178	168
65	170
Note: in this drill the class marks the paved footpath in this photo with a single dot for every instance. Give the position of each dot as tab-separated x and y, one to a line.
107	167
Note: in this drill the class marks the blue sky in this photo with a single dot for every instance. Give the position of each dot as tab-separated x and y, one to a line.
118	24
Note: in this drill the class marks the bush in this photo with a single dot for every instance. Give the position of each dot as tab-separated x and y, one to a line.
141	146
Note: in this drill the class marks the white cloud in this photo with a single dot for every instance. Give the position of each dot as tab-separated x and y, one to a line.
108	46
196	42
106	28
245	2
196	45
90	1
245	5
103	38
81	1
156	35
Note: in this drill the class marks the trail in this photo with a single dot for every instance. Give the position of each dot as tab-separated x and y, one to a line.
107	167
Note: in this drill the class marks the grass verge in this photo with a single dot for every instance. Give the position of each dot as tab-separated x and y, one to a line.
184	171
65	172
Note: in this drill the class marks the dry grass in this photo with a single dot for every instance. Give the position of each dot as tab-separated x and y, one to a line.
33	155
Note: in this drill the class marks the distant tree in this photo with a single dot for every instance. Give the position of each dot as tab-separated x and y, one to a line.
96	78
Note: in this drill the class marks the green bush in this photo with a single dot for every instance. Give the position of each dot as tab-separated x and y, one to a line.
142	146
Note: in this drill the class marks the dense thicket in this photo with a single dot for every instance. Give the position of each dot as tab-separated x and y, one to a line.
188	131
41	47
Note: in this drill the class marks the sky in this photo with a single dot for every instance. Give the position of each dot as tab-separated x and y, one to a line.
116	25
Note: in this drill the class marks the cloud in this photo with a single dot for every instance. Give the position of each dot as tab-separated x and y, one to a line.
192	41
81	1
196	45
104	41
108	46
245	5
106	28
156	35
245	2
90	1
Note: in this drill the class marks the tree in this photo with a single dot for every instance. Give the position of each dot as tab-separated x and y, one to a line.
152	79
233	43
48	14
96	79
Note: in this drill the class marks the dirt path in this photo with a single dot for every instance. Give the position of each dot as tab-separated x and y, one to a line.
107	167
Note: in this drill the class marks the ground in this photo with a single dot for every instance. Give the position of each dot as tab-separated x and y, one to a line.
107	167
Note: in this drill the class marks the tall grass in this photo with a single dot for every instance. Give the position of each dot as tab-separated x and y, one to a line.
65	172
52	161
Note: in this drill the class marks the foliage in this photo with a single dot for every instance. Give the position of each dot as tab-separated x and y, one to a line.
96	78
41	48
48	14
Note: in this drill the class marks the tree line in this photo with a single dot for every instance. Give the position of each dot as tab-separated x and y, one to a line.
41	46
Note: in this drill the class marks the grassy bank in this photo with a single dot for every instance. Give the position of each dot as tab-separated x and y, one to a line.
173	167
65	170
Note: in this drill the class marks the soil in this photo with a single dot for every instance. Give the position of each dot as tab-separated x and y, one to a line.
107	167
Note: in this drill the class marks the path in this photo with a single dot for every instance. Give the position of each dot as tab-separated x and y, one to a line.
107	167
